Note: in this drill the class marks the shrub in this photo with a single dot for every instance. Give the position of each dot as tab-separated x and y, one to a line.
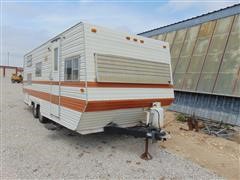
181	118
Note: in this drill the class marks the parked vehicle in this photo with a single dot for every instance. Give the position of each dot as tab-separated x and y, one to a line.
89	77
16	78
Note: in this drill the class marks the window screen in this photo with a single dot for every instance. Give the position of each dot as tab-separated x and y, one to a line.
55	59
71	68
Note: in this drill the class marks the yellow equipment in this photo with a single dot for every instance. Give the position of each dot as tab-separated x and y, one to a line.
16	78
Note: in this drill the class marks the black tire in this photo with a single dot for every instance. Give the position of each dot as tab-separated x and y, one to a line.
35	111
42	119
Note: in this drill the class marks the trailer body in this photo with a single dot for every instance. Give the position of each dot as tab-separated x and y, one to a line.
90	76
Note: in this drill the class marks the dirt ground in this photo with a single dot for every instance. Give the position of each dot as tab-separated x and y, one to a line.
217	154
30	151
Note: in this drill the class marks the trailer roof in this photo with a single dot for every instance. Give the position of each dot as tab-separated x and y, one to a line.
55	37
58	36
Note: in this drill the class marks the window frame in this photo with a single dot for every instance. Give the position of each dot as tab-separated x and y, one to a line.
71	59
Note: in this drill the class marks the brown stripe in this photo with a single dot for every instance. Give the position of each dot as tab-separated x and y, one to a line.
71	103
38	94
128	85
101	105
100	84
42	82
73	83
124	104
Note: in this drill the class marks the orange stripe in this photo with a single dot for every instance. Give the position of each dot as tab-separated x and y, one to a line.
38	94
128	85
101	105
124	104
101	84
71	103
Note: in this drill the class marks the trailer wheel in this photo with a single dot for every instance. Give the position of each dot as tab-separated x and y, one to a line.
35	111
41	118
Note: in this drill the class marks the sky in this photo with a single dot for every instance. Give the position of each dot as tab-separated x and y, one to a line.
27	24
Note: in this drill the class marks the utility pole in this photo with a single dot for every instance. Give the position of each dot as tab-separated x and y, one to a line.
8	54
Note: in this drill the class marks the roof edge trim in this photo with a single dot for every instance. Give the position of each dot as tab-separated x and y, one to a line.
218	14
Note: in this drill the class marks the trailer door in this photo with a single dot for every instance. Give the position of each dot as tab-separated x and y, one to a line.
55	78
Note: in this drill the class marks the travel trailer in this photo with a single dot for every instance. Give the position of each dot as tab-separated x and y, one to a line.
89	77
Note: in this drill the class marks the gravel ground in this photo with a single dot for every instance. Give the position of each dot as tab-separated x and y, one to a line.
29	150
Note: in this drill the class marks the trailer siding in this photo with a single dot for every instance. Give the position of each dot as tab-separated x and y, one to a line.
93	121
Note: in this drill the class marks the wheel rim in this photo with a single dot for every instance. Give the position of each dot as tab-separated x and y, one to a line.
35	111
40	117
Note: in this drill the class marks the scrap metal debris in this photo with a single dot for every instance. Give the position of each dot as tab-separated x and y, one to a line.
219	129
210	127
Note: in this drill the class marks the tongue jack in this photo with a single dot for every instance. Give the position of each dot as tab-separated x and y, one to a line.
146	155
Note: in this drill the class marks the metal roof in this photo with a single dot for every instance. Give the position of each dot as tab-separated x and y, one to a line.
11	67
221	13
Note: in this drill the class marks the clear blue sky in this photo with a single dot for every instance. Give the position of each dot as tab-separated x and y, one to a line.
27	24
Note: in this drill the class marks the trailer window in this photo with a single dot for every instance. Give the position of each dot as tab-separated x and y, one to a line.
38	69
55	59
71	68
29	60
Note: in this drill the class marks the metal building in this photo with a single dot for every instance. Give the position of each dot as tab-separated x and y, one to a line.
205	53
7	71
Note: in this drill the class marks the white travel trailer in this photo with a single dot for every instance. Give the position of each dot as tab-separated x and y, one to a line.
90	76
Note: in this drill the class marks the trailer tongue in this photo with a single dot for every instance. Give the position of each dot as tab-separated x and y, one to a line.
141	131
137	131
151	129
